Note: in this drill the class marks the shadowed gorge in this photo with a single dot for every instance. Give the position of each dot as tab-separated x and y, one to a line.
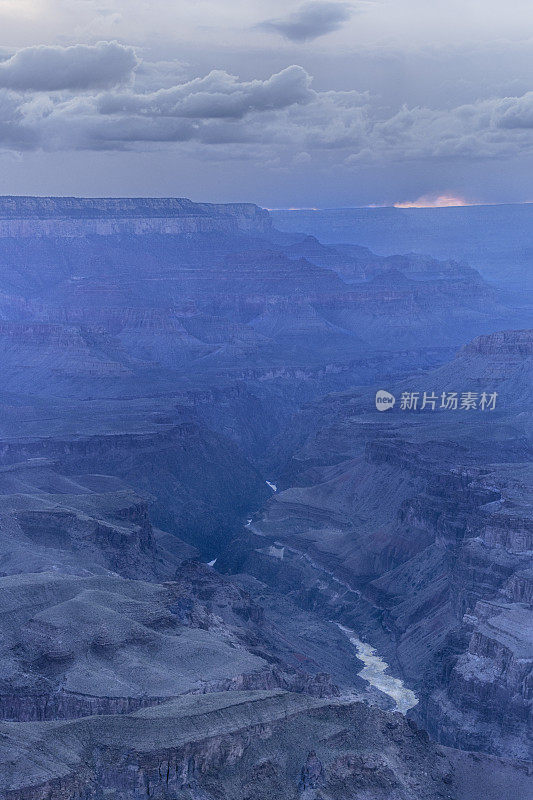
224	573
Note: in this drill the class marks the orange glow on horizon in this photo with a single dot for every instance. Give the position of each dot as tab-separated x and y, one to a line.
434	201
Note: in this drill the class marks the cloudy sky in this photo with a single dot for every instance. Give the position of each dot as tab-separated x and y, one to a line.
287	104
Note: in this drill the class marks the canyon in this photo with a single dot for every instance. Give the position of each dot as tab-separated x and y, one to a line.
425	516
223	572
494	239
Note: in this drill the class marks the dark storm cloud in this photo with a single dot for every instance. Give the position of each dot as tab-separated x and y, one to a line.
277	119
217	95
81	67
312	20
215	109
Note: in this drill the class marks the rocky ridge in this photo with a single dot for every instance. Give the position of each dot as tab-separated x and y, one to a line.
260	744
74	217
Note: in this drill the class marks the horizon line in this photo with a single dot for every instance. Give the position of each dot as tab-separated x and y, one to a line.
399	206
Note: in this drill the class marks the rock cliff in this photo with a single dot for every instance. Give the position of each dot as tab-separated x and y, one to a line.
74	217
254	744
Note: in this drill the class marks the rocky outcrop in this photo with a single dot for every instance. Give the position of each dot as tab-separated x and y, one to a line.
103	614
502	343
490	683
205	746
201	483
312	776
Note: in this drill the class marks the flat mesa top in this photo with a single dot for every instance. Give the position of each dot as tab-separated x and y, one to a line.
16	207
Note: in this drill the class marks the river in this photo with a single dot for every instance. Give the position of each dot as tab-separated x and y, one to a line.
374	671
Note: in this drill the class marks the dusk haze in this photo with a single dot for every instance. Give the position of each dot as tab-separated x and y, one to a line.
266	360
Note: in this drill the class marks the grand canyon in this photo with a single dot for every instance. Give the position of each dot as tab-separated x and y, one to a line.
225	573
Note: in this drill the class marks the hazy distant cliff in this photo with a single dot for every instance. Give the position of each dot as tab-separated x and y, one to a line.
496	240
73	216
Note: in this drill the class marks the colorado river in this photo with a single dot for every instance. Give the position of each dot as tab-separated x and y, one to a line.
374	673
